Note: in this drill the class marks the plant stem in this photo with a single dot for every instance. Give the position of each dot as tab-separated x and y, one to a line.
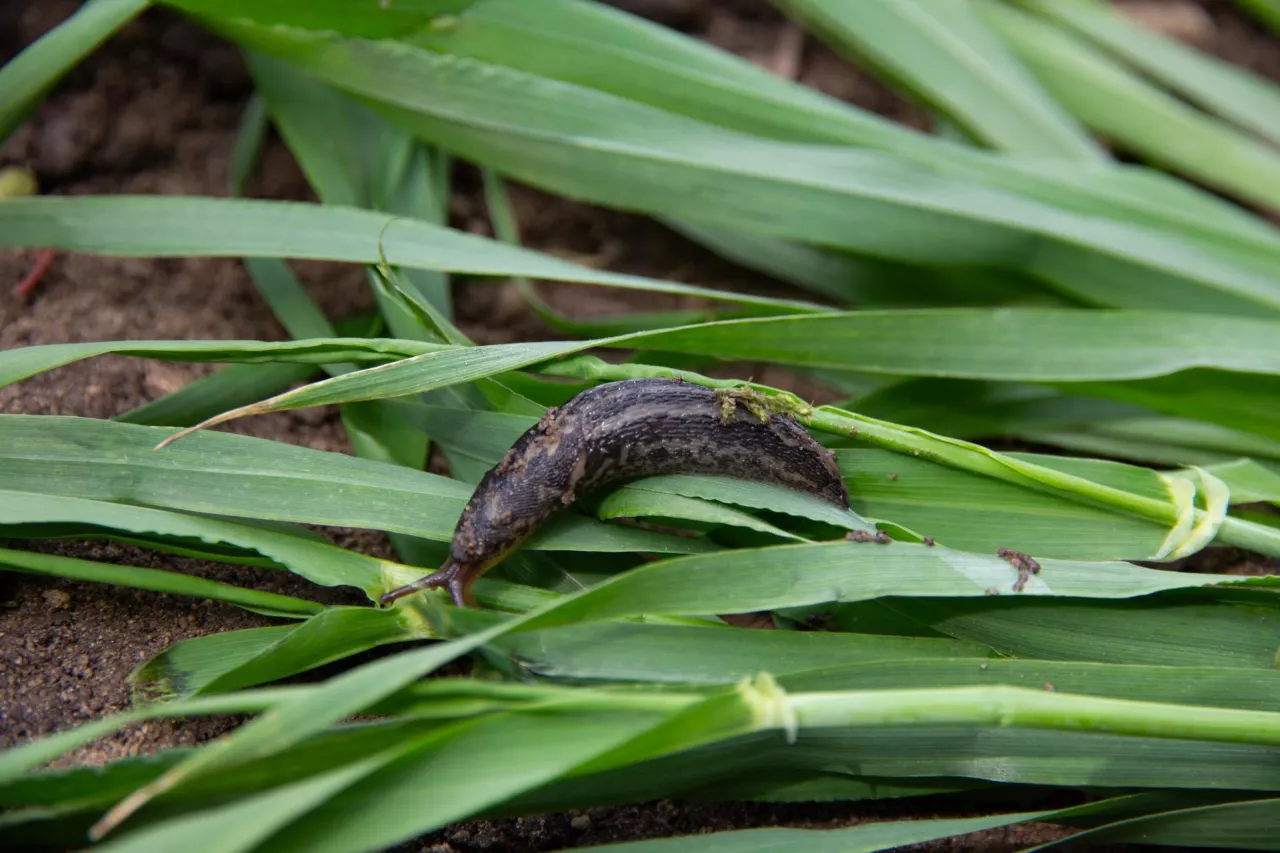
1034	709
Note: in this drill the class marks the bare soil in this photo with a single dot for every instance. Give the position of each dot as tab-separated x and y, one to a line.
155	111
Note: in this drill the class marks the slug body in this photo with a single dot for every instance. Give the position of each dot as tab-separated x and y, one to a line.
616	431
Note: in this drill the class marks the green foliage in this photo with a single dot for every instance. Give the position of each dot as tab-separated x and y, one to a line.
1016	283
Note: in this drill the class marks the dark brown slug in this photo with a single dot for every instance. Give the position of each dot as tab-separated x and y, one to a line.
632	428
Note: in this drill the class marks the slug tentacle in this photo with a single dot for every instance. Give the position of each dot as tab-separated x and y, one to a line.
453	576
616	431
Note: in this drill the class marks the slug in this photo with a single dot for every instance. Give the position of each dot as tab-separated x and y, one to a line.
619	430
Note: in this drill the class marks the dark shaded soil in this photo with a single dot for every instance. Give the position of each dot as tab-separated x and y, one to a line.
665	818
155	111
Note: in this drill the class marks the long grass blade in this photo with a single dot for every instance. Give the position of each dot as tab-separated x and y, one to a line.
242	825
1074	347
33	754
882	835
864	281
1229	90
156	580
676	654
966	343
21	362
944	54
1249	825
987	344
153	226
317	561
1171	632
1207	686
1135	114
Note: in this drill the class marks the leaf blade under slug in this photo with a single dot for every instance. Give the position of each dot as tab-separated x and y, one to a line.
238	476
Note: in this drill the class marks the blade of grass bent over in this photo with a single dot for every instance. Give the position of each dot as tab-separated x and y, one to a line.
972	512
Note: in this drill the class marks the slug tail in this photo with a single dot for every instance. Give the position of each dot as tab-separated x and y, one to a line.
454	576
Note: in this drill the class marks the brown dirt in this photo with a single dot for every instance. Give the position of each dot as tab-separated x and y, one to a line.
664	819
155	111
